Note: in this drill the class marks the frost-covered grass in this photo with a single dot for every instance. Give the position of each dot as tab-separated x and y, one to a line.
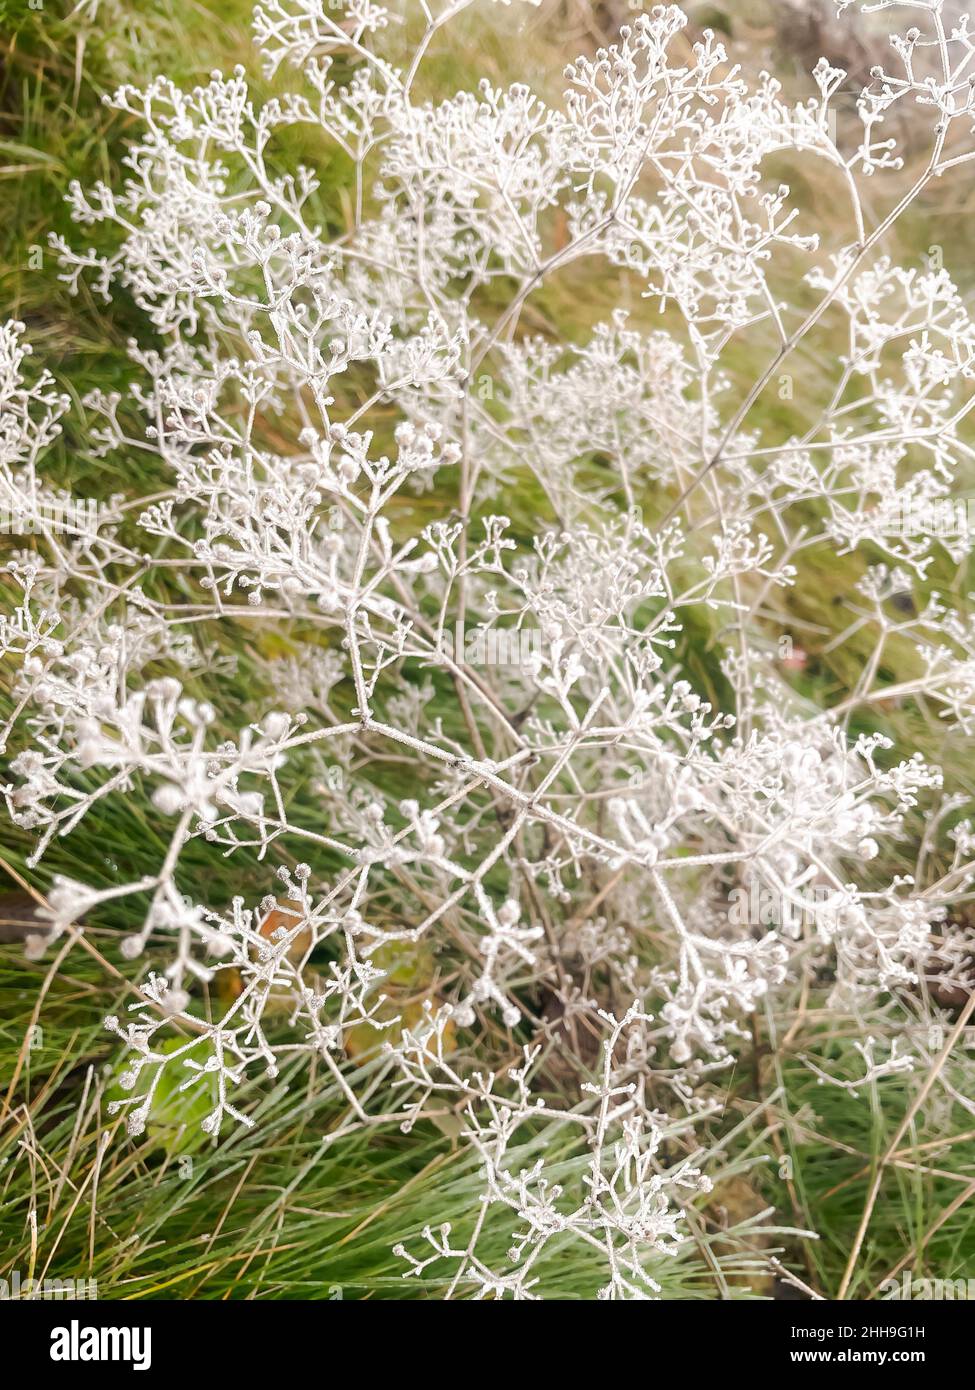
314	1199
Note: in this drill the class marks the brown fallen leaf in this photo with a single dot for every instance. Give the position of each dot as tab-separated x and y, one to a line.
363	1039
19	919
733	1201
287	915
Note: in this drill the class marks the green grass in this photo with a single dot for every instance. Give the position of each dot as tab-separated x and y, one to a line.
286	1211
280	1211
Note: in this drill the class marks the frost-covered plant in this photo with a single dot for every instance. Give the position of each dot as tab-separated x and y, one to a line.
337	407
